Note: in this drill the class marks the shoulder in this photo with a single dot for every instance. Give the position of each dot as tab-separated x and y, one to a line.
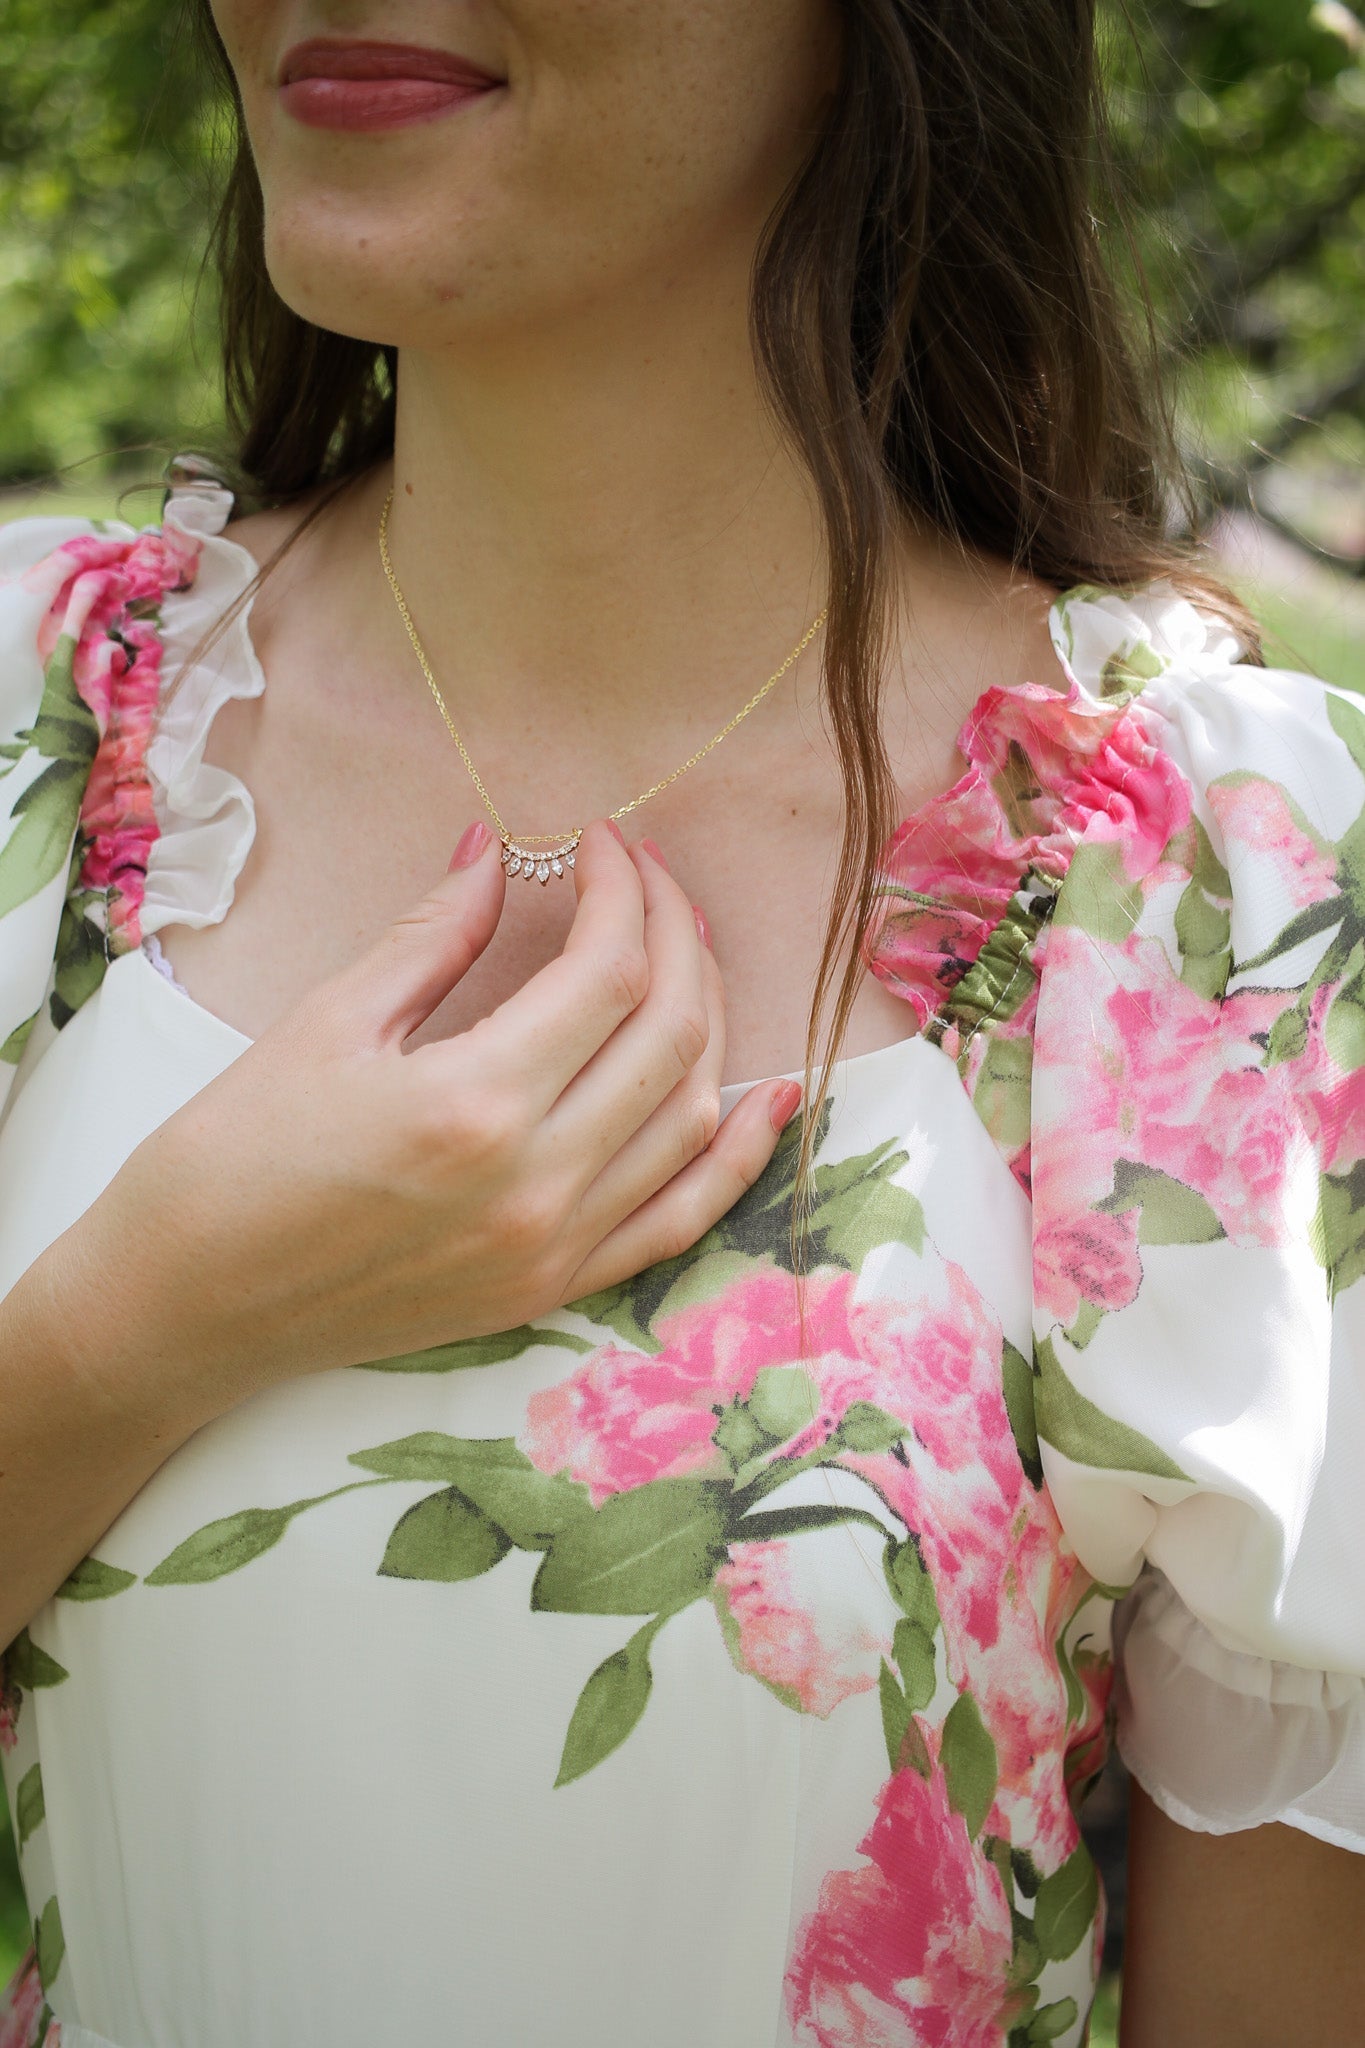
1198	1134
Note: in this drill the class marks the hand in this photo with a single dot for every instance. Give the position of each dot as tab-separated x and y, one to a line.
332	1198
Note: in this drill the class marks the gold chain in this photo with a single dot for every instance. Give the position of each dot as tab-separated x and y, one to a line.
570	839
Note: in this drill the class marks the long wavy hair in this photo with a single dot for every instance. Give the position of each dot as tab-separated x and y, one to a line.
938	317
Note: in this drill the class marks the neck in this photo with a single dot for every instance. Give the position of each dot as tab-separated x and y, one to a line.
580	512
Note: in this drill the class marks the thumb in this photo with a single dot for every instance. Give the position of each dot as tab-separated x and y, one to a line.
398	981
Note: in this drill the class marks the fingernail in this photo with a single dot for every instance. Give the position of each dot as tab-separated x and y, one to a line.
615	831
784	1105
473	840
655	853
703	928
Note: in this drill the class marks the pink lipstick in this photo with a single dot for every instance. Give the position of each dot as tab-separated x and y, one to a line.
364	86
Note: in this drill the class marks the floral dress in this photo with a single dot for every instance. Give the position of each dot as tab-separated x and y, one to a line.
648	1673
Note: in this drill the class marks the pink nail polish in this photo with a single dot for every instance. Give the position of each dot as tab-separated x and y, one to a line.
655	852
472	842
783	1107
615	830
703	928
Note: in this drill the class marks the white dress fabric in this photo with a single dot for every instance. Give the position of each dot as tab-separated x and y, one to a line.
638	1675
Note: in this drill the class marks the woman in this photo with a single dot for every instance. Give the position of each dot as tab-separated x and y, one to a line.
458	1586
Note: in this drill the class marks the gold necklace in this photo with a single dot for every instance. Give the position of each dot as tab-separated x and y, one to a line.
539	861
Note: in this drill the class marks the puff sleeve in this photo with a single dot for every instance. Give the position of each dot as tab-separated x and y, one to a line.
1198	1168
48	739
110	822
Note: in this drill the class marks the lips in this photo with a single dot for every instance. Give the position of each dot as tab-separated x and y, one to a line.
365	86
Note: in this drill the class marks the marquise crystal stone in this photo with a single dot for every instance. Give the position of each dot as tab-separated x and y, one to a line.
538	864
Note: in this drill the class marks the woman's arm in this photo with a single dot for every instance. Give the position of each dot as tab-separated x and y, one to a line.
1248	1940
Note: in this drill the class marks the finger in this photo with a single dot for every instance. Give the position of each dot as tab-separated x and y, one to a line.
623	1167
653	1050
537	1040
394	985
672	1220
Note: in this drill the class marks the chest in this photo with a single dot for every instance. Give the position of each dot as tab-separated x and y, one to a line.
360	799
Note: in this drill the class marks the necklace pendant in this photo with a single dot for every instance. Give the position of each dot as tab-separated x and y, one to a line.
538	866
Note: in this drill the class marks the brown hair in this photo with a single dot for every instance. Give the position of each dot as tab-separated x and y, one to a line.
940	333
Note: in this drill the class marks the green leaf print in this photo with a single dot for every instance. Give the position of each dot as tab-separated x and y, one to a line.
783	1401
970	1765
30	1808
80	961
650	1550
906	1749
1017	1379
1050	2022
50	1943
768	1525
854	1222
1003	1094
1129	671
609	1705
1345	1027
472	1352
28	1667
12	1050
1171	1212
223	1546
700	1280
92	1579
1072	1423
1339	1227
1322	916
866	1430
1064	1910
528	1505
1025	1872
1098	897
1203	932
911	1586
444	1538
40	845
913	1649
739	1438
66	728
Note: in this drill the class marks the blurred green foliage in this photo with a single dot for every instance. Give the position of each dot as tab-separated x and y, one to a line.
105	155
1240	126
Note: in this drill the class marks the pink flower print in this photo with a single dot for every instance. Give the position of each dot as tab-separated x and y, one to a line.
915	1945
1331	1100
936	1357
1158	1075
1018	1685
1256	816
948	876
102	593
21	2008
1087	1257
789	1623
625	1417
1130	794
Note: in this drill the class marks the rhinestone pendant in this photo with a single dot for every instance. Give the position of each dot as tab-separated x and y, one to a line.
539	866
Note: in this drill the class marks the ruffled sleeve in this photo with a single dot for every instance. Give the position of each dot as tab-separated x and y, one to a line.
1198	1170
111	823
